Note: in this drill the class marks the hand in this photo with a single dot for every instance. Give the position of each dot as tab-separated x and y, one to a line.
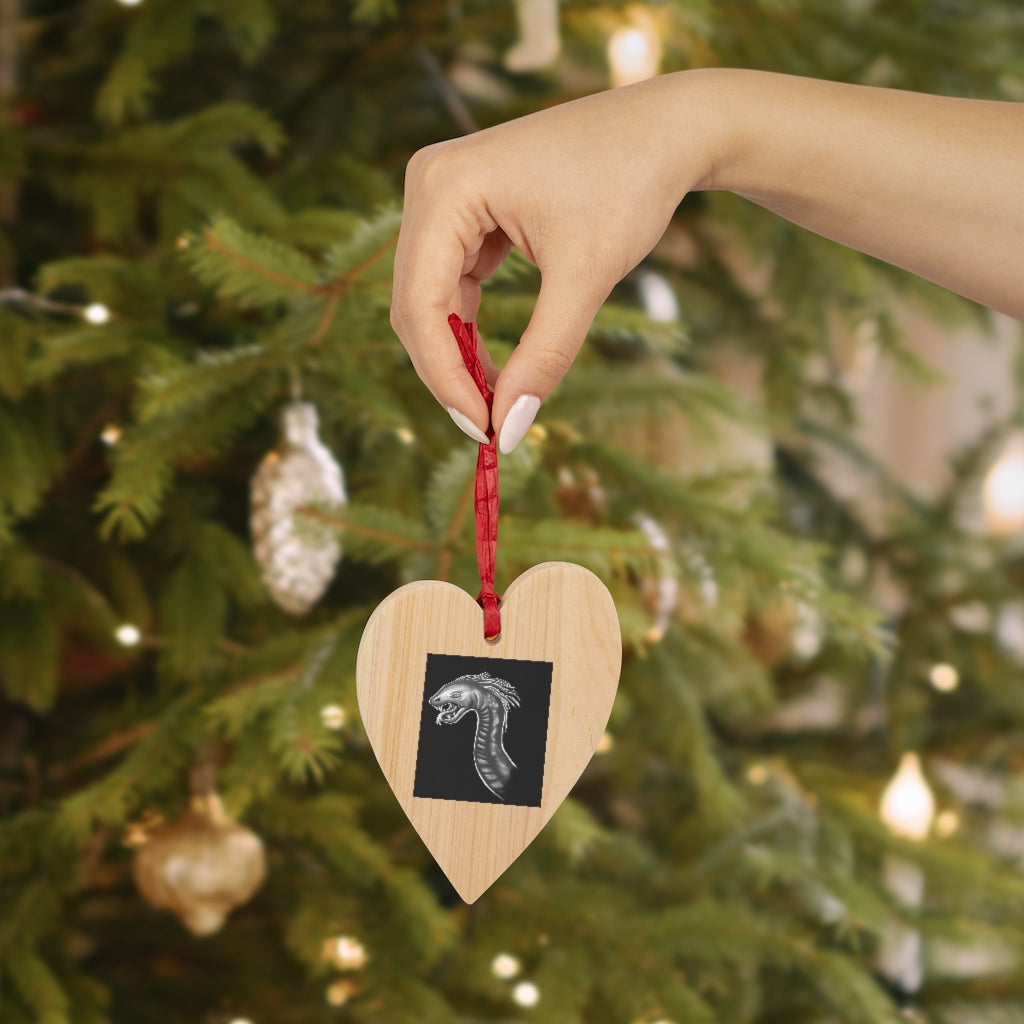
929	183
584	189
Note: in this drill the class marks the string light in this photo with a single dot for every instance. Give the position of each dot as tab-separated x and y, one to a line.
807	635
346	952
907	805
944	678
947	823
110	434
405	435
1003	490
332	716
127	635
907	808
129	3
96	313
526	994
337	993
537	434
505	966
634	52
757	775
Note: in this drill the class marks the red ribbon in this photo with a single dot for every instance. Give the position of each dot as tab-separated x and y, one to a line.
485	492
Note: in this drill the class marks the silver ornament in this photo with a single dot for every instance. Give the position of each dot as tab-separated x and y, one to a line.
296	555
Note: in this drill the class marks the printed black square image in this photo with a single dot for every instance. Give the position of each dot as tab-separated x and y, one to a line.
483	730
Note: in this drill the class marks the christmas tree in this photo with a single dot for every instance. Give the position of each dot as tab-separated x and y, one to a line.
216	460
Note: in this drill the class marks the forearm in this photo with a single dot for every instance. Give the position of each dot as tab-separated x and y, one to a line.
587	188
929	183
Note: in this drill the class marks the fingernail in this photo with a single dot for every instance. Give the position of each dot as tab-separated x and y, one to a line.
467	426
517	422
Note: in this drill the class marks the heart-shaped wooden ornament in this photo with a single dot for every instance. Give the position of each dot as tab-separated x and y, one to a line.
482	740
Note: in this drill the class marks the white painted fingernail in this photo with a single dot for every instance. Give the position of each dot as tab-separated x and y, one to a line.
467	426
517	422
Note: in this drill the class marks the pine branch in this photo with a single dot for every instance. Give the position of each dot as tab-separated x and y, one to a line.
29	646
303	748
605	551
38	987
29	457
29	914
352	258
193	614
130	287
373	534
149	767
253	270
158	37
148	454
450	488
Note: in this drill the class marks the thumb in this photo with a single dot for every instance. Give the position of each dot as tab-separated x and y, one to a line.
560	321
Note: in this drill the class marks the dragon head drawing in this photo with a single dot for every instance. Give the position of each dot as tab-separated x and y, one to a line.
468	693
454	700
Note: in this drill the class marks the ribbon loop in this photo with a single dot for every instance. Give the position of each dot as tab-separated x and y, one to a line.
485	490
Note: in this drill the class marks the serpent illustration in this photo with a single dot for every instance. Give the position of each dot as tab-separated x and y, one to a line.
490	699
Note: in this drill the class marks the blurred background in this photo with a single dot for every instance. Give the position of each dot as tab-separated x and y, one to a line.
800	471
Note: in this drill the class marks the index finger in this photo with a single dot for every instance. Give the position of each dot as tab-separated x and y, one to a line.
430	264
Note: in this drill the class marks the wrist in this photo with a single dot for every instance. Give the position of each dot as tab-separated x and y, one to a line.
720	100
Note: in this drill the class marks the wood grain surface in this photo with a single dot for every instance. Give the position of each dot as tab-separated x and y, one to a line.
556	612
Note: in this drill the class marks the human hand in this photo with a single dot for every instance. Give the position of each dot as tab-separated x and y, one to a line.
584	189
928	183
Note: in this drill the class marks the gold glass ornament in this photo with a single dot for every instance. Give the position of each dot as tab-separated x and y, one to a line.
296	558
200	866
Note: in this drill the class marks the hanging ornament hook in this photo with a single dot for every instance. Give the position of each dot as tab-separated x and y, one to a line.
202	780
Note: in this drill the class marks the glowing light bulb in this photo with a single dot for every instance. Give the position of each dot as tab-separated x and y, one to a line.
96	313
332	716
405	435
808	632
634	53
110	434
944	678
757	774
347	953
907	805
947	823
526	994
129	3
505	966
1003	491
127	635
337	993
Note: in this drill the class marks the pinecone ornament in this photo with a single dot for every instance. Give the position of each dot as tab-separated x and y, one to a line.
296	555
200	866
